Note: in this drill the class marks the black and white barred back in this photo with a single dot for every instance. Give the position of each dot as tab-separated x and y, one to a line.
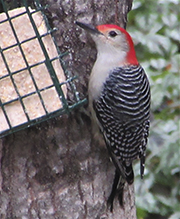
123	111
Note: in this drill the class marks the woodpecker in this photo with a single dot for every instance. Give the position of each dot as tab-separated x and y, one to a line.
119	101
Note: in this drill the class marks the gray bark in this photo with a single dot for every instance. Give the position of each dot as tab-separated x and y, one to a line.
56	170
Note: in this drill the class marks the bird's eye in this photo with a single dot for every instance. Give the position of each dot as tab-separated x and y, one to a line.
112	33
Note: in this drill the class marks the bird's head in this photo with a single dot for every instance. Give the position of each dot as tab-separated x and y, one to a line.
113	41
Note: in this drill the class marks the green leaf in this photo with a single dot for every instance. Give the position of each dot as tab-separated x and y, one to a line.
154	27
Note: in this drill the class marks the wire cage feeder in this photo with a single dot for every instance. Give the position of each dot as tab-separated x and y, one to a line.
33	78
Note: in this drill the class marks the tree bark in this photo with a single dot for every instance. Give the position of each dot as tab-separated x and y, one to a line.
55	169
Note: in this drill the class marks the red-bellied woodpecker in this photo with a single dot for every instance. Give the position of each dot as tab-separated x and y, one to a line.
119	100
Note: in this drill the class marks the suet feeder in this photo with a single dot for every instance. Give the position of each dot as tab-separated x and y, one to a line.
34	83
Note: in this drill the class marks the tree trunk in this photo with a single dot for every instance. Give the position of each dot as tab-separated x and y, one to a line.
56	170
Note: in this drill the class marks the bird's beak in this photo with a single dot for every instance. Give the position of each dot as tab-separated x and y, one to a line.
91	29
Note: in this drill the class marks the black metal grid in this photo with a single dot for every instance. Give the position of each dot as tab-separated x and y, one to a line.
48	62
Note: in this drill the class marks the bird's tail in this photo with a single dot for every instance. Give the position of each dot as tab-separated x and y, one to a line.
128	171
117	189
119	181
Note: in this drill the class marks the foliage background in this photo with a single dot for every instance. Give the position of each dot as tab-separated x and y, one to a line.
155	28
